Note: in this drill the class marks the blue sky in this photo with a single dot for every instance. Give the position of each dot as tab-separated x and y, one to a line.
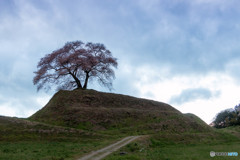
182	52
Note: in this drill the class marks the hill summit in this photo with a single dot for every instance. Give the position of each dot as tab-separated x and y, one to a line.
98	111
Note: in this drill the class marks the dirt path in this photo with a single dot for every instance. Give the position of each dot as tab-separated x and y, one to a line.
101	153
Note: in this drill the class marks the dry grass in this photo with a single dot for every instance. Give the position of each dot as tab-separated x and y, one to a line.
96	111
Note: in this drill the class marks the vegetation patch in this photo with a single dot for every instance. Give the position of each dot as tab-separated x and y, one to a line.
77	122
186	146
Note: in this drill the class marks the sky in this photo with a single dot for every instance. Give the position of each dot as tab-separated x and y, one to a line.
181	52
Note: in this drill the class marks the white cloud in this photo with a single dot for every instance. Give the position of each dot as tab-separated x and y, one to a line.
22	106
193	94
8	110
233	69
43	100
166	88
207	109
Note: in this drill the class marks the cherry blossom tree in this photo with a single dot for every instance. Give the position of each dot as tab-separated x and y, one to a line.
73	65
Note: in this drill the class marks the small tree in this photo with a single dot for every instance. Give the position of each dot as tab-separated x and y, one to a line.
73	65
225	118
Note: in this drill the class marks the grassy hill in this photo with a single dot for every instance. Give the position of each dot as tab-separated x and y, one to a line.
21	139
76	122
97	111
17	129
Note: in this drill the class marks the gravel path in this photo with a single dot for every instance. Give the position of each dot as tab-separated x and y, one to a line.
101	153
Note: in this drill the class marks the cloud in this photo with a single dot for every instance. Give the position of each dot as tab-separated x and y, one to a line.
191	36
175	33
232	68
182	48
203	95
22	106
193	94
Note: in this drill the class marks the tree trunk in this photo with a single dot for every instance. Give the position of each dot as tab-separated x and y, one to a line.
78	82
86	80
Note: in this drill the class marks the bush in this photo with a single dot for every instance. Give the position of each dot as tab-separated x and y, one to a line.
228	117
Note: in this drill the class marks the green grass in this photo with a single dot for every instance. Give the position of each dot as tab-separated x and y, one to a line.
50	150
185	146
191	152
77	122
39	150
234	130
21	139
178	152
25	141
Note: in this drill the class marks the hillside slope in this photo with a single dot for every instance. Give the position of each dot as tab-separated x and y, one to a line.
21	139
98	111
17	129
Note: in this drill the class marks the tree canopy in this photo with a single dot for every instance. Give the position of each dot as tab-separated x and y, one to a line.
228	117
73	65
